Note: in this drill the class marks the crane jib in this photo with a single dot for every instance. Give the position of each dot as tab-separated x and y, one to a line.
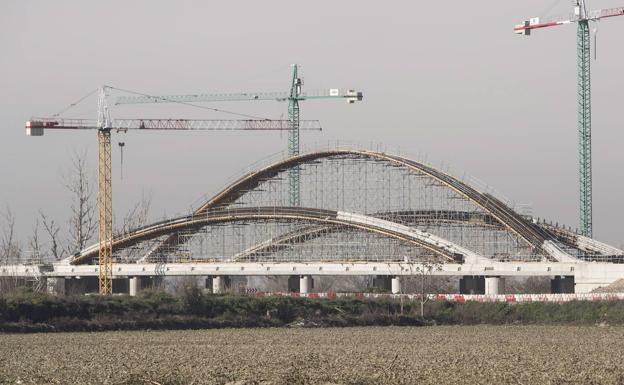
36	126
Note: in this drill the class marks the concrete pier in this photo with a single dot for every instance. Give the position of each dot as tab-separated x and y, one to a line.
300	284
218	284
134	286
494	285
396	285
305	284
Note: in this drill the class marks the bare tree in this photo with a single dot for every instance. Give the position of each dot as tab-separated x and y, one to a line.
52	229
33	243
138	215
423	274
83	221
10	250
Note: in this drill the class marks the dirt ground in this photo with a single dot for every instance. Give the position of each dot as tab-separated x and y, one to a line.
372	355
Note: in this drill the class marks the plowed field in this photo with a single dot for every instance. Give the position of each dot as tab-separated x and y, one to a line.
372	355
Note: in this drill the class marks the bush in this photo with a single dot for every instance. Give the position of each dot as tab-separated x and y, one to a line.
29	311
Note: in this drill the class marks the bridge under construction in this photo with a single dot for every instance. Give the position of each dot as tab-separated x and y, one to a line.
360	212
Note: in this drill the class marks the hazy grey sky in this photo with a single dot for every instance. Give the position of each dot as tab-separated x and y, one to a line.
445	78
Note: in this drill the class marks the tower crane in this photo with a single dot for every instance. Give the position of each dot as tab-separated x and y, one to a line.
582	17
104	126
293	97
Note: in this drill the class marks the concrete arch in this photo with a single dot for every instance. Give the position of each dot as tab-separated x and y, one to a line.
421	216
433	243
533	234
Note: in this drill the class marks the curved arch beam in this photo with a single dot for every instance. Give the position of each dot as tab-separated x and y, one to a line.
524	229
428	217
531	233
420	238
581	242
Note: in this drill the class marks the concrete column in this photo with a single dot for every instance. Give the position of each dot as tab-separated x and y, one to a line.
305	283
218	284
494	285
396	285
134	286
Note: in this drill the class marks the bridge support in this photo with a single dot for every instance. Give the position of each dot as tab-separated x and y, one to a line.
134	285
474	284
305	284
494	285
220	283
396	285
300	284
562	284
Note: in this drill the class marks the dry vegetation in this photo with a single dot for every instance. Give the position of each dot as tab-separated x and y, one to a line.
373	355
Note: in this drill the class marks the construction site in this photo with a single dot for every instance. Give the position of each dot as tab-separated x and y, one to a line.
247	193
334	210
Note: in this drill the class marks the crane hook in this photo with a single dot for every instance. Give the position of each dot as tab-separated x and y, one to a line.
121	147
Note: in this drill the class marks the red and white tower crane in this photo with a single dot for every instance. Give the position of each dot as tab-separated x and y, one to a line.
104	126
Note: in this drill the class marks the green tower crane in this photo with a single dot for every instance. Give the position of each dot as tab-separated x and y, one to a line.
582	18
293	97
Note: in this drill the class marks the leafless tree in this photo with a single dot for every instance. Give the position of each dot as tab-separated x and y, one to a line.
422	275
52	229
138	215
83	221
34	244
10	250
